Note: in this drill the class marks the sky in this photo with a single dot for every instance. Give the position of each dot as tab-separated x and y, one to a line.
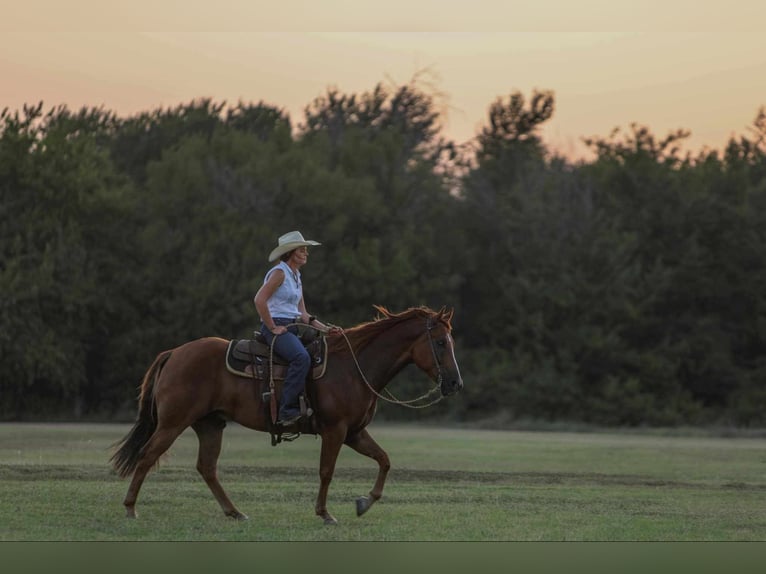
663	64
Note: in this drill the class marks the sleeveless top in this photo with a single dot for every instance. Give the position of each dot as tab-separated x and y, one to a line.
284	302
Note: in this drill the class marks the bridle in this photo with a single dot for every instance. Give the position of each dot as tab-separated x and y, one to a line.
439	369
430	325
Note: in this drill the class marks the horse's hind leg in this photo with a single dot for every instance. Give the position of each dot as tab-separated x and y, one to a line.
154	448
210	433
364	444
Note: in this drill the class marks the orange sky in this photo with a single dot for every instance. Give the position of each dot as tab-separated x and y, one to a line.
665	64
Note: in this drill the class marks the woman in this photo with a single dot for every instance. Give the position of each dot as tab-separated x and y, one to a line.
279	302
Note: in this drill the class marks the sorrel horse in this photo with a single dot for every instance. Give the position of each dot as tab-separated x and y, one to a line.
190	386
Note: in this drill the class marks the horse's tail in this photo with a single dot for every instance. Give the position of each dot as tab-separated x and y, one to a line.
125	458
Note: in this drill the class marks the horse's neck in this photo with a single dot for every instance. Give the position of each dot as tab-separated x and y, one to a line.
388	354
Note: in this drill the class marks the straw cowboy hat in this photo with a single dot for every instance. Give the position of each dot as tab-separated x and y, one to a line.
288	242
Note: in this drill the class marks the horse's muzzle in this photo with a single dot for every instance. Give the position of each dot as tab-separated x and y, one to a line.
451	383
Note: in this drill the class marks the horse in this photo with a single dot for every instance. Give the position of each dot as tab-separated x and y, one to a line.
191	386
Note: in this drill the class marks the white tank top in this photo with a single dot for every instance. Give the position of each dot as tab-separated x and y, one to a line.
284	302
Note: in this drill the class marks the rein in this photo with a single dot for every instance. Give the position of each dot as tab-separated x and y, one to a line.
390	398
393	400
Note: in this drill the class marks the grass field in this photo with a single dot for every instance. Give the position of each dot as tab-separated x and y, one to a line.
445	484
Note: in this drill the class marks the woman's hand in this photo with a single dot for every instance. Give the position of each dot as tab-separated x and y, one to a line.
278	330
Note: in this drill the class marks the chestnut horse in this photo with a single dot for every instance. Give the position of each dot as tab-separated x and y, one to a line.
190	386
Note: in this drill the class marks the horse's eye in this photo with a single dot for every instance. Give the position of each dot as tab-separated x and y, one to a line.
441	342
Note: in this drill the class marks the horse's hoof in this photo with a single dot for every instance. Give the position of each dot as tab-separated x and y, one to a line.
131	513
330	521
237	515
362	505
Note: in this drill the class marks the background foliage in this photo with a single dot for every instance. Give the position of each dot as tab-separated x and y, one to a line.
629	289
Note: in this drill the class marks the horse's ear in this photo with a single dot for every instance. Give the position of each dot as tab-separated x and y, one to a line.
445	314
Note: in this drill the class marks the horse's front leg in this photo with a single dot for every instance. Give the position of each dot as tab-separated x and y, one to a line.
364	444
332	440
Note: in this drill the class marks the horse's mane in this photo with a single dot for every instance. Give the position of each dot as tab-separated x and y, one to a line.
361	335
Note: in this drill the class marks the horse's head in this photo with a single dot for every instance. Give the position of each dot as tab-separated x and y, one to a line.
434	352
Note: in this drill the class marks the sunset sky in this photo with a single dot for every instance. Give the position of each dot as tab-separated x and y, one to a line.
664	64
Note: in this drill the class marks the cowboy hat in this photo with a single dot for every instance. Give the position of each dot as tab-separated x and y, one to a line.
288	242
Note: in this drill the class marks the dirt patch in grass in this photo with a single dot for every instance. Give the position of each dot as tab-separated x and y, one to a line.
25	472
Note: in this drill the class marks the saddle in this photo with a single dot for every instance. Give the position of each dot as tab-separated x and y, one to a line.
253	359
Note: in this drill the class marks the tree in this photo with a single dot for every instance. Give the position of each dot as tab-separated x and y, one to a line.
394	250
58	182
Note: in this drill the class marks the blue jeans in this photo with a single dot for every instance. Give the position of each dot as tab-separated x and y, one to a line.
289	347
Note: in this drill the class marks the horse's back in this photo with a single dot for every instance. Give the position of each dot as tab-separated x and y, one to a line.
209	344
199	353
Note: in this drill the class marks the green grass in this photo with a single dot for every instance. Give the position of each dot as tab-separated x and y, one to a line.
445	484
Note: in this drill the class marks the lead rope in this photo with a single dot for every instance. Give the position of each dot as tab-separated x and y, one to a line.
272	385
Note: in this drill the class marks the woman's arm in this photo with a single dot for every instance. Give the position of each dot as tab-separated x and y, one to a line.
262	297
309	319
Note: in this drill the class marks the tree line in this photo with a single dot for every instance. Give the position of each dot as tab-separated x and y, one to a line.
628	289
